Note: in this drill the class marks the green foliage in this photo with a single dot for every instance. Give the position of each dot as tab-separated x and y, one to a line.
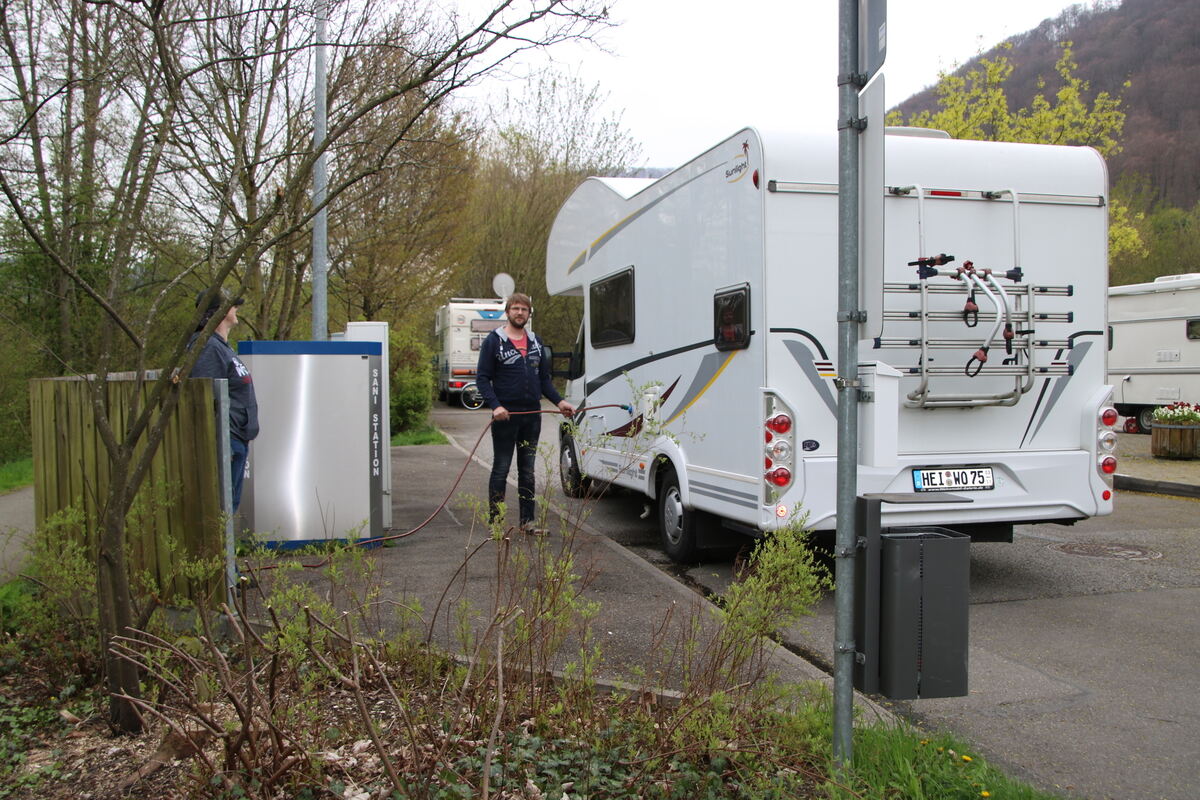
21	725
16	603
899	762
1171	236
59	634
423	434
975	105
412	379
16	474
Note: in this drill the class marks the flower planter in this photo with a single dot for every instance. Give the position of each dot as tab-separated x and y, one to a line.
1170	440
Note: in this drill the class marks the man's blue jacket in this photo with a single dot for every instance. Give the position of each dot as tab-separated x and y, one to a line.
506	378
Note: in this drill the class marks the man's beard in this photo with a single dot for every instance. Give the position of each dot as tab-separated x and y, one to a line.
518	325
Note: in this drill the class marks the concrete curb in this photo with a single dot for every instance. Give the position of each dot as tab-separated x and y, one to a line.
1129	483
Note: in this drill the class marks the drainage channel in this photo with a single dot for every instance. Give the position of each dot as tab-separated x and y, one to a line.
1128	552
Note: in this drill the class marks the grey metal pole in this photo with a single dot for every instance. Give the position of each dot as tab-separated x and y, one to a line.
320	236
849	317
225	476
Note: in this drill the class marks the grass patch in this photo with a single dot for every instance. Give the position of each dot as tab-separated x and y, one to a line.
426	434
16	474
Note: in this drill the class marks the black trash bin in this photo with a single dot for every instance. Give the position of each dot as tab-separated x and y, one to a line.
923	620
910	602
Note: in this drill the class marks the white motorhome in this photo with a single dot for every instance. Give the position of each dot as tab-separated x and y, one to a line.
1154	349
710	313
460	327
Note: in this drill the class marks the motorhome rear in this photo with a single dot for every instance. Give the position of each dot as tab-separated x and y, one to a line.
710	312
1154	354
460	327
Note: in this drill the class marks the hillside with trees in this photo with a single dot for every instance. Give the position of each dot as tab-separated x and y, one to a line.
1145	56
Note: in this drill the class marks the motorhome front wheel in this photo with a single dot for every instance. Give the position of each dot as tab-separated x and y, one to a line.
676	523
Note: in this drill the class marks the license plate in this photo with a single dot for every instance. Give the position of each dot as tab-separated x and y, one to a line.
953	479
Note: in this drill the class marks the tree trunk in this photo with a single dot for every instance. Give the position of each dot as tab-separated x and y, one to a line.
116	605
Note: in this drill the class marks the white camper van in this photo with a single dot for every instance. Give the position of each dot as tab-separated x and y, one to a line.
710	313
1154	350
461	326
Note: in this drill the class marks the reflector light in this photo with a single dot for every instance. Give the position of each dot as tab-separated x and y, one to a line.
1107	495
780	476
944	193
769	437
780	423
766	463
781	511
462	372
1108	415
754	177
1108	465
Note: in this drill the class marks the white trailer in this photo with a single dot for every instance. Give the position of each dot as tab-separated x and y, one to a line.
460	327
1154	346
710	310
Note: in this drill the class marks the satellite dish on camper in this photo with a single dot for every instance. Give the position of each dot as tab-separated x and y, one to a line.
503	284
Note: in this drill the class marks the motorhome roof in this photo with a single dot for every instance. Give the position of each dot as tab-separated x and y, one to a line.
1163	283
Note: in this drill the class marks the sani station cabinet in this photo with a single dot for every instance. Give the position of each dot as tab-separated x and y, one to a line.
320	468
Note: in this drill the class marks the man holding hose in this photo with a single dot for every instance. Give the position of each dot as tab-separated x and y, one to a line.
513	376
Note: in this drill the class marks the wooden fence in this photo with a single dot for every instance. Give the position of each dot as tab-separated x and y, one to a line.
177	513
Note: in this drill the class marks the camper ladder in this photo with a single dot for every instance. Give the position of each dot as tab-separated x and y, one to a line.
1010	323
1011	318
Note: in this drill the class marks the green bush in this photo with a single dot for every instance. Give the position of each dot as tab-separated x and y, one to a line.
412	379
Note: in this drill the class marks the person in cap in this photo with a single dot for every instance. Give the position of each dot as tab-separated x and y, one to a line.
217	360
513	375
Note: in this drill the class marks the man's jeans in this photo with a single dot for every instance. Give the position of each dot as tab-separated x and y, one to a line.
520	432
238	467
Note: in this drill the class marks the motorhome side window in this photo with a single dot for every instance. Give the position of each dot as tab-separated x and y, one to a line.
1193	329
611	310
731	318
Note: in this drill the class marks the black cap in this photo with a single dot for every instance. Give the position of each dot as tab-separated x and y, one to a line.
218	299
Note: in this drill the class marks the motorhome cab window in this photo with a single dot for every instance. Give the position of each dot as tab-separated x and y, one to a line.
731	318
1193	328
611	310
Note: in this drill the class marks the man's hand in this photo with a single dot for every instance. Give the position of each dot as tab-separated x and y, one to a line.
566	408
499	414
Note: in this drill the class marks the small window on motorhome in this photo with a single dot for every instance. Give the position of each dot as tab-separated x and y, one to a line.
485	325
1193	328
731	318
611	312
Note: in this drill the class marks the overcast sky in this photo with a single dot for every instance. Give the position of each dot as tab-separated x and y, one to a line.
688	73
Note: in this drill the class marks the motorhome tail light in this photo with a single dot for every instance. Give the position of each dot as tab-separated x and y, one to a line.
457	384
1107	440
1108	465
770	436
767	462
781	450
1108	416
780	423
780	476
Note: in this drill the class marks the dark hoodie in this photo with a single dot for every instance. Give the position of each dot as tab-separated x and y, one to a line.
506	378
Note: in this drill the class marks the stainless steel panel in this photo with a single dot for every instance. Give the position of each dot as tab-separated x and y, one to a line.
311	474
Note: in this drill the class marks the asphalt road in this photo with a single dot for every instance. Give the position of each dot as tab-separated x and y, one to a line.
1084	639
